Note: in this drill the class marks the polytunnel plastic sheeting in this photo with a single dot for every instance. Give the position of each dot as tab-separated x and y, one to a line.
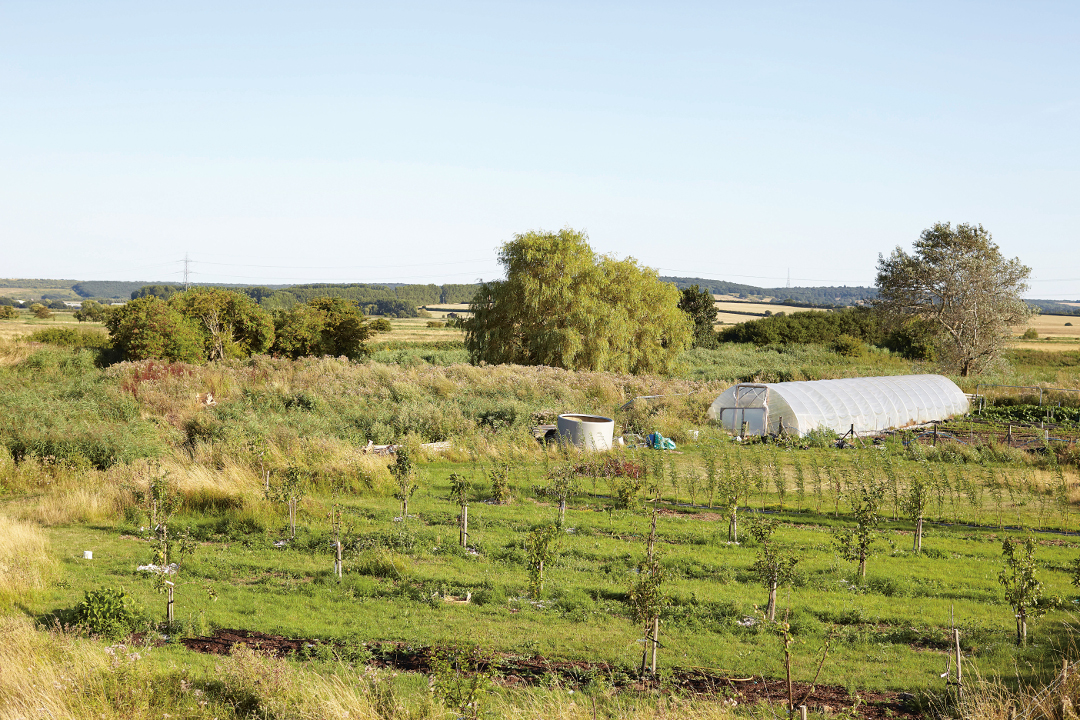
868	404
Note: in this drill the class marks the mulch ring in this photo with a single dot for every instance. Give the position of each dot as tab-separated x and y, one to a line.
516	671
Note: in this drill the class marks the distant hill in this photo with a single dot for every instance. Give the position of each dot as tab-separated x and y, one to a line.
1054	307
394	297
814	296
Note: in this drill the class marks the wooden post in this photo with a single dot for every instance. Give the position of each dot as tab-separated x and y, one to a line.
337	562
464	526
935	434
169	606
655	641
959	670
1065	703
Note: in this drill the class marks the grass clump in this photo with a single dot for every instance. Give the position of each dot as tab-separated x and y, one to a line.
25	563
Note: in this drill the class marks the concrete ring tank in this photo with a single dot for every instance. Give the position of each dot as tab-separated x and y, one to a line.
591	432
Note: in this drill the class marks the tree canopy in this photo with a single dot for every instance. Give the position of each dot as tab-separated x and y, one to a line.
958	282
563	305
701	307
148	327
232	325
323	326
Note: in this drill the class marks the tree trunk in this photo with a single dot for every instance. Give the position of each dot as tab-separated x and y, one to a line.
1021	627
733	526
862	562
562	511
771	610
404	508
918	535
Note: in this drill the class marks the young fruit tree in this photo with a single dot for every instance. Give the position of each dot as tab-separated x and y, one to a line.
539	548
855	543
958	282
169	550
405	478
647	598
1022	589
562	485
500	484
773	566
459	493
290	491
918	497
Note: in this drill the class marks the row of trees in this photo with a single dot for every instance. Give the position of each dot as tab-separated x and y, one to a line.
955	299
216	324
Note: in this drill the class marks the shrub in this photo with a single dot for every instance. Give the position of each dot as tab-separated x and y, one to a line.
1030	334
8	313
381	325
40	311
110	612
435	324
848	346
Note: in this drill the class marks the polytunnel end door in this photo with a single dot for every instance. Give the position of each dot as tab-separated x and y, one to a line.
756	420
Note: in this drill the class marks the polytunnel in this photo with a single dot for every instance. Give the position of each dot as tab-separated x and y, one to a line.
867	404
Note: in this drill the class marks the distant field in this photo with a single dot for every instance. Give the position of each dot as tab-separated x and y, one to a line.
443	309
1054	326
416	330
35	293
27	323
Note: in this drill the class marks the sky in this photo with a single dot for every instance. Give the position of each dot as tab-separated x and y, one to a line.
404	142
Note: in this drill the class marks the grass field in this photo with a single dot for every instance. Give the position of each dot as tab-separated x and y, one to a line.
88	439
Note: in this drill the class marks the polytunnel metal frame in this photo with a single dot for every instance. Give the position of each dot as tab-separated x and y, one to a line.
863	405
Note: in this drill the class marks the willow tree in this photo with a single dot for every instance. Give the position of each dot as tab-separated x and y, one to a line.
564	306
957	281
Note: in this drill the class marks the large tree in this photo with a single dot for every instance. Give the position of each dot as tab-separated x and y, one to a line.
148	327
563	305
323	326
958	281
701	307
231	323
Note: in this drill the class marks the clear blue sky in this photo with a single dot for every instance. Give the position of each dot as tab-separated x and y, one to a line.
324	141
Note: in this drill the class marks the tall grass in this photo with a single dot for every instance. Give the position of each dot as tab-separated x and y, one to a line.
61	676
25	563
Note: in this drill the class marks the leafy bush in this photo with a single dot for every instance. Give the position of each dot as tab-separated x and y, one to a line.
7	312
111	612
848	346
151	328
1030	334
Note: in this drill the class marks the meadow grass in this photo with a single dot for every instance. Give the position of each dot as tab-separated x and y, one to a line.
81	442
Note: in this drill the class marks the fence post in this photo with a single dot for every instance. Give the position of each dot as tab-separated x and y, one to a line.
959	671
169	606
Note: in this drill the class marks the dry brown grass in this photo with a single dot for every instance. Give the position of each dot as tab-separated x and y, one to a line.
1053	326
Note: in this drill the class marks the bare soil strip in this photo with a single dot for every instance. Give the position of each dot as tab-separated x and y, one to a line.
515	670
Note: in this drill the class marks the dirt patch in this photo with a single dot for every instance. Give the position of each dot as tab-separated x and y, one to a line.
515	670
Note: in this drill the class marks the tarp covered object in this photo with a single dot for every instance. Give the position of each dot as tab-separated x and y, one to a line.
870	404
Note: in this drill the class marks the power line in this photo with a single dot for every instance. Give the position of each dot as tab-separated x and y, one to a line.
343	267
